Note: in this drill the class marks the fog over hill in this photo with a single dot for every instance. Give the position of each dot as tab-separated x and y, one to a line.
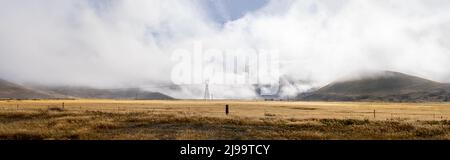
385	86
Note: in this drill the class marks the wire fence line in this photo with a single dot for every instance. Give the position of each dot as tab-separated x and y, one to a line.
303	114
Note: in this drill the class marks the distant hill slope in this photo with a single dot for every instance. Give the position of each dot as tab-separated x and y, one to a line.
388	86
87	92
10	90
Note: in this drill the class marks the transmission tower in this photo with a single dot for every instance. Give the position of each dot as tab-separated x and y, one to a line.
207	93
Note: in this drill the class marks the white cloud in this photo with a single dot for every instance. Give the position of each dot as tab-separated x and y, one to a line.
127	42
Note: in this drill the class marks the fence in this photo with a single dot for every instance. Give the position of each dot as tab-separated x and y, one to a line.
241	112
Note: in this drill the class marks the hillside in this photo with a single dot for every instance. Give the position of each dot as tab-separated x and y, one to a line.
87	92
10	90
388	86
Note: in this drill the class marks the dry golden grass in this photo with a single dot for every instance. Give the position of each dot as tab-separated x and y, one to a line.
119	119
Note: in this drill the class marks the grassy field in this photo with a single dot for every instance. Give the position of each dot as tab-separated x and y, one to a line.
191	119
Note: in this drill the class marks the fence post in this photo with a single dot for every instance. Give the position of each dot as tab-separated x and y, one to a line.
63	105
227	110
374	114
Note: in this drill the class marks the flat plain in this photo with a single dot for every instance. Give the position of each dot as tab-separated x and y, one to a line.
199	119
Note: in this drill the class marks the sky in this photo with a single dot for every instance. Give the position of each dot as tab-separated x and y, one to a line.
223	11
128	43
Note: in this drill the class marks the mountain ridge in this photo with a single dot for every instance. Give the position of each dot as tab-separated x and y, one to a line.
388	86
9	90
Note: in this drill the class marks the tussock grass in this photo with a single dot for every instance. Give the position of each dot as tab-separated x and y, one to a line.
64	124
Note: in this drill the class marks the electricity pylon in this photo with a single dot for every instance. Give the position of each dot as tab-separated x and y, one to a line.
207	95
